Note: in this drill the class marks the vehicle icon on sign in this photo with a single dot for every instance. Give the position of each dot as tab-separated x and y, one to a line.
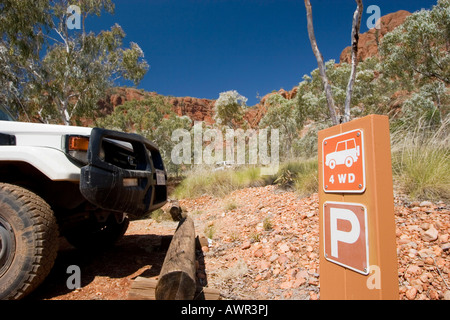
347	152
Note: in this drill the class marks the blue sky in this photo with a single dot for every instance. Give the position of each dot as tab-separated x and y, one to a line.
200	48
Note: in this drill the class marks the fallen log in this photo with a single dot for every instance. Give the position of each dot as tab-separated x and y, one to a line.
177	277
175	211
144	289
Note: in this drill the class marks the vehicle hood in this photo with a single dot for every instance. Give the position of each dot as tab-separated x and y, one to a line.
40	135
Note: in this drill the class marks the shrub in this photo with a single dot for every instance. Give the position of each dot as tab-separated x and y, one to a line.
217	183
230	205
301	175
267	224
421	162
423	171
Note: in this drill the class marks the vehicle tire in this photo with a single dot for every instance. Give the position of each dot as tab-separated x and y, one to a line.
28	241
348	162
332	164
95	236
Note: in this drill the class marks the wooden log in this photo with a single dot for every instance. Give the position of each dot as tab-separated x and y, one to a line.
144	289
204	293
202	242
177	276
175	211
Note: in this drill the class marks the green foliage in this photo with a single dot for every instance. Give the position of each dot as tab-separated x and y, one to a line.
423	172
229	109
65	81
201	181
421	104
301	118
421	162
306	146
300	175
420	46
414	61
23	24
307	183
77	71
285	178
267	224
412	72
230	205
160	216
416	57
140	116
152	118
210	230
53	74
369	94
284	115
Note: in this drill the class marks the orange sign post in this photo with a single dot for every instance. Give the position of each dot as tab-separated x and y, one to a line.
358	258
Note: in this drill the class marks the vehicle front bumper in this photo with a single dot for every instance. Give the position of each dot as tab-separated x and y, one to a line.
104	184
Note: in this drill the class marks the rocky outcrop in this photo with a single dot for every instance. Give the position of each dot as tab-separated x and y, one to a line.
195	108
285	94
254	114
370	40
118	96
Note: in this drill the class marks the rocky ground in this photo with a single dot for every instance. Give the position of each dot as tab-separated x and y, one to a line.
263	244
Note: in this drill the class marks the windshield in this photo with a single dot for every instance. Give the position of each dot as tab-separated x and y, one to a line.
5	115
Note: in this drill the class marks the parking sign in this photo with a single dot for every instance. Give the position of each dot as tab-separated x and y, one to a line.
343	163
346	235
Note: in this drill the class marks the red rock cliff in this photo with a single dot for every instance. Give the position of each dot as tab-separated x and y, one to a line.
195	108
368	41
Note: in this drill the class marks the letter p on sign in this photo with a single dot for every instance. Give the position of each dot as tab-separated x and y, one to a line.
346	236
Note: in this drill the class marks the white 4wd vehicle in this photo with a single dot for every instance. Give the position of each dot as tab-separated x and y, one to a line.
347	152
75	182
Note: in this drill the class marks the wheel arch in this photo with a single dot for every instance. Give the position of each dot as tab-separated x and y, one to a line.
58	194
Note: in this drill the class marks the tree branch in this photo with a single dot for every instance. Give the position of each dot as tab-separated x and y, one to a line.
64	39
319	58
424	73
355	39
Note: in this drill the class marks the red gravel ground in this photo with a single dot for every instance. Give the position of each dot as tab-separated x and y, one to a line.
264	245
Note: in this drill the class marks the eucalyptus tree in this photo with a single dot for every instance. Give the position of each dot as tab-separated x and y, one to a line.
80	66
23	24
417	56
153	118
55	68
282	114
229	109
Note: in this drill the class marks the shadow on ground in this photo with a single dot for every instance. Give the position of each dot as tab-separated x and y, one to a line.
127	257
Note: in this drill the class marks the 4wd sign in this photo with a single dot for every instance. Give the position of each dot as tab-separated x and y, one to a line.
343	163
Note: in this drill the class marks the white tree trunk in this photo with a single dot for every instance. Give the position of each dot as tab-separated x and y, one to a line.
319	58
355	39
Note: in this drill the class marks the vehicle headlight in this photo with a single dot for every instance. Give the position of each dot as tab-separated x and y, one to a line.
77	147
